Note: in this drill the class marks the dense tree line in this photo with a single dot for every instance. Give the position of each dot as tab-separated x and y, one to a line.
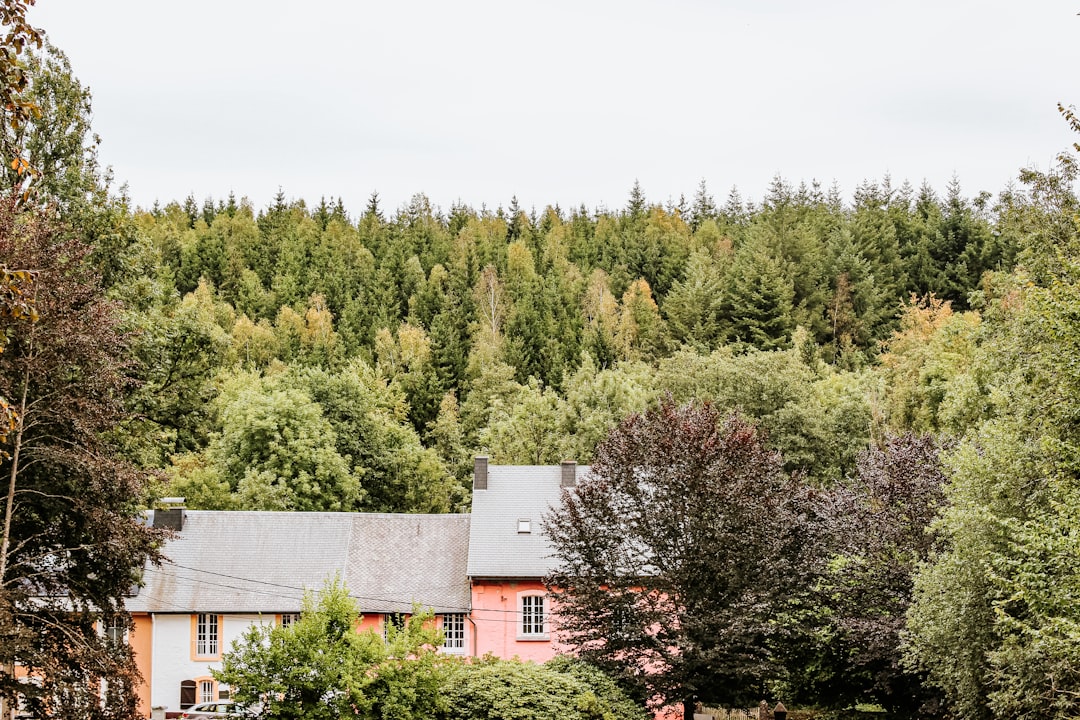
508	332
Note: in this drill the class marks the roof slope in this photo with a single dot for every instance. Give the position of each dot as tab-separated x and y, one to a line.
514	492
264	561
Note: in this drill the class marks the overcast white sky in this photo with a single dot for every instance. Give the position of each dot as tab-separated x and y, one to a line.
565	102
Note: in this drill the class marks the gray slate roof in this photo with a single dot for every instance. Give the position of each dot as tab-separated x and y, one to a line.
233	562
514	492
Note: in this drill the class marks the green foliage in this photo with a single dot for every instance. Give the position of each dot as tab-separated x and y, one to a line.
694	307
759	298
598	400
179	347
529	432
994	619
320	667
818	418
371	428
951	624
562	689
315	439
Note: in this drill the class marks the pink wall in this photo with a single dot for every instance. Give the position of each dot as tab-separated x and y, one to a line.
370	621
497	618
141	641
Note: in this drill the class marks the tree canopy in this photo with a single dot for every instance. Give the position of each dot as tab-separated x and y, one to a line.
73	541
683	557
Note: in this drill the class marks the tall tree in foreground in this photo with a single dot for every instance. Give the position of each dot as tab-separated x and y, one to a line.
682	557
995	623
72	542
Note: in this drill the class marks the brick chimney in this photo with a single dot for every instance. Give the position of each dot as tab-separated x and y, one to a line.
480	472
569	474
171	518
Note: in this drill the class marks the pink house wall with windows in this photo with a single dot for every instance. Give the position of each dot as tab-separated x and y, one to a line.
499	614
509	555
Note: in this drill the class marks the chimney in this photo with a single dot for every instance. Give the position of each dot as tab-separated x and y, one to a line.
480	472
171	518
569	474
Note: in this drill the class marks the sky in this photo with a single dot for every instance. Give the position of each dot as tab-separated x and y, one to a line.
565	102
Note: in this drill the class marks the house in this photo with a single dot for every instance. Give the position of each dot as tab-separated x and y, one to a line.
509	556
481	573
227	570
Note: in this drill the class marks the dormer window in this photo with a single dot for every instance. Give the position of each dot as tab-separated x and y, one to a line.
524	526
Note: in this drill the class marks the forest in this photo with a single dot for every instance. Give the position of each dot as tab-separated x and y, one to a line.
307	356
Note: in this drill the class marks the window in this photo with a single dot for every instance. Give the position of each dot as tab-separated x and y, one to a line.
206	635
453	626
115	630
197	691
533	618
395	620
287	619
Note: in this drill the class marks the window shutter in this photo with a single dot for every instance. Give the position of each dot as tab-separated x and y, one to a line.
187	694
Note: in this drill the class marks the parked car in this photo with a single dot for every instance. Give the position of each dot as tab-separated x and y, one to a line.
217	709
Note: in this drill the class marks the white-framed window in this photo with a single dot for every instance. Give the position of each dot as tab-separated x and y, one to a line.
453	627
206	690
115	630
206	636
533	616
288	619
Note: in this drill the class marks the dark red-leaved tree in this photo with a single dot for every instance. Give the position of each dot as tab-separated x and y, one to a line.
879	522
72	540
684	557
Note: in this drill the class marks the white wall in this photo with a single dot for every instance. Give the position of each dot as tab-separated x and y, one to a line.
172	661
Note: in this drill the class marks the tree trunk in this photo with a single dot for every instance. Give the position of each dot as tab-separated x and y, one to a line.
20	421
7	708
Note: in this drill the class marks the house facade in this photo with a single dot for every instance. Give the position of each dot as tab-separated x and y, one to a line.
481	574
227	570
509	556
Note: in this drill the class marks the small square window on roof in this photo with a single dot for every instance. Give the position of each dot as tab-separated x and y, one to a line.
524	525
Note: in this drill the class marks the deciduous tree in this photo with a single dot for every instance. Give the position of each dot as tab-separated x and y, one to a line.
321	668
73	542
682	557
879	524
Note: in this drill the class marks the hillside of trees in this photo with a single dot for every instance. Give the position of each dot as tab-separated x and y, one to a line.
317	357
389	349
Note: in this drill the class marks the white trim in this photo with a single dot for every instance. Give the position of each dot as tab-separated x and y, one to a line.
459	640
529	604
